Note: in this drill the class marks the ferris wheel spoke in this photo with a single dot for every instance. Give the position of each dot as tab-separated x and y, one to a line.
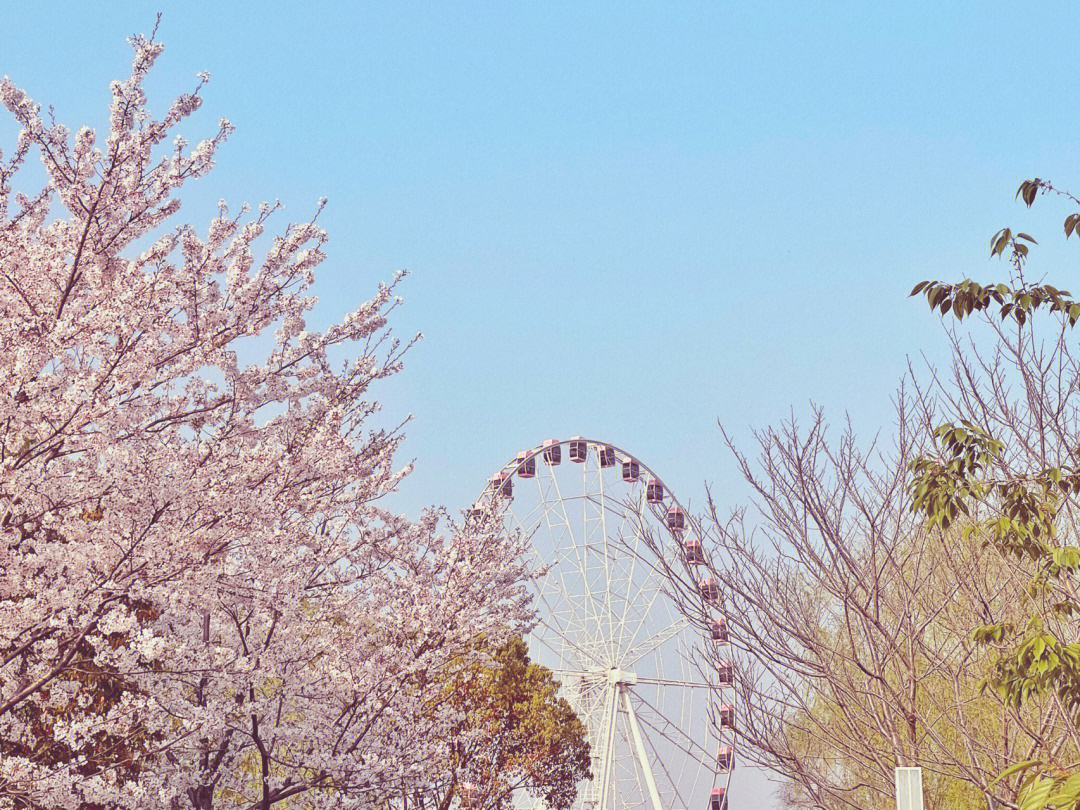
674	629
625	572
628	575
607	555
681	684
655	579
587	611
673	781
652	587
655	641
580	650
582	555
672	733
581	605
544	588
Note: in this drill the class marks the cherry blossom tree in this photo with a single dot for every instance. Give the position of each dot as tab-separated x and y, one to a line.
201	602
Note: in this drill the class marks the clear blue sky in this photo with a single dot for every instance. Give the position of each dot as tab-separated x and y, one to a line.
626	220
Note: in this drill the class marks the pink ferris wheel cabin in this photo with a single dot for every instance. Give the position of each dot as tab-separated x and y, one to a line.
725	758
526	464
694	553
502	485
718	799
631	470
552	452
727	716
607	456
719	630
725	673
709	590
676	520
579	449
654	491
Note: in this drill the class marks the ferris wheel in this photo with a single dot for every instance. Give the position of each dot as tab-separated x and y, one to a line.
653	693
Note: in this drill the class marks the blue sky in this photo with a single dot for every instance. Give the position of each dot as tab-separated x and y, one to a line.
626	221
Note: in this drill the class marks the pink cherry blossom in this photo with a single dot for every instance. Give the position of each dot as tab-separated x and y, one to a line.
189	499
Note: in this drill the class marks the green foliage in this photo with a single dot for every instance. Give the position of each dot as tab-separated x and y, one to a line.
517	732
1039	791
1023	508
942	487
1017	513
962	737
968	296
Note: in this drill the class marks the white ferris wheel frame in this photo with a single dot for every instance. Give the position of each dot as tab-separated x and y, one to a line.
620	683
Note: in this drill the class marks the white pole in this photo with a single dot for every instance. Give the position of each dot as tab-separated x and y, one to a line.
608	744
642	758
909	793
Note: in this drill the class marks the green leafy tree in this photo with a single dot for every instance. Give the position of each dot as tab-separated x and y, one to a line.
516	734
1005	467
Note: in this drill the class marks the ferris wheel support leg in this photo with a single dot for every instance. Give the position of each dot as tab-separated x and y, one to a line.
635	731
609	747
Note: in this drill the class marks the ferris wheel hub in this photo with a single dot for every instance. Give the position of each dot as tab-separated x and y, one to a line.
621	677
